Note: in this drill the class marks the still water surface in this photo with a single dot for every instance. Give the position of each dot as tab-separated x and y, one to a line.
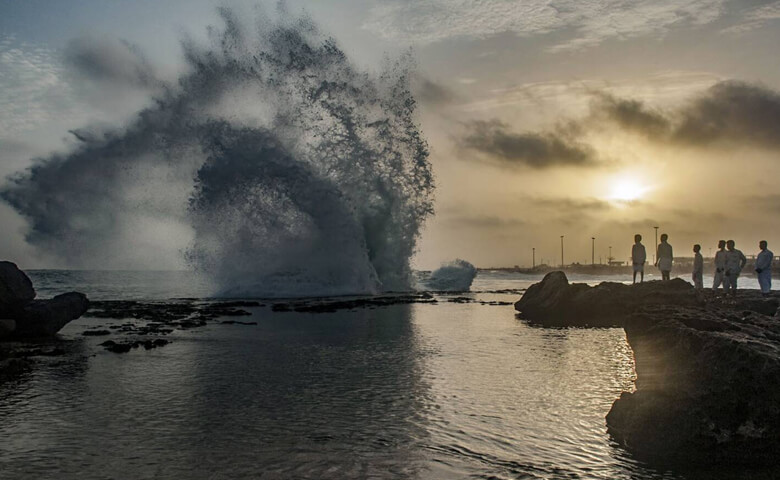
408	391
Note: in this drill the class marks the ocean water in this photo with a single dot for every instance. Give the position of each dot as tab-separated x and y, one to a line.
447	390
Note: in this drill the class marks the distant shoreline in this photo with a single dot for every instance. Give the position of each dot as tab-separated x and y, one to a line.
601	269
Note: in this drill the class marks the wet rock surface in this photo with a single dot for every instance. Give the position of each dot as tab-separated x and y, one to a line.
181	313
328	305
124	347
554	302
708	366
24	317
707	389
16	288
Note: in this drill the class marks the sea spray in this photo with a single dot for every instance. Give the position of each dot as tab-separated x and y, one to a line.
292	172
455	276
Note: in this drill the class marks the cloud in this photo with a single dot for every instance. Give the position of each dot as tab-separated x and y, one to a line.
728	113
535	150
107	59
630	114
755	18
33	89
589	23
731	112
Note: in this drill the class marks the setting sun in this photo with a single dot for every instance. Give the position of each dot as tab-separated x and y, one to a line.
627	189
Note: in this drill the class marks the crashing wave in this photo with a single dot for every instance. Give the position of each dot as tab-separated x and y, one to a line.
455	276
293	172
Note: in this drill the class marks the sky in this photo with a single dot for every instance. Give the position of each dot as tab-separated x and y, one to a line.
545	118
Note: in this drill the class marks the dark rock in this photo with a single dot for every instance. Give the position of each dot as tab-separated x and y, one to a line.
708	367
16	289
236	322
119	347
41	318
554	302
239	303
707	388
329	305
7	326
22	316
95	333
153	311
461	300
125	347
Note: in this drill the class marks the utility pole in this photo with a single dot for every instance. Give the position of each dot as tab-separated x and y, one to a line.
592	250
533	257
655	256
609	259
562	263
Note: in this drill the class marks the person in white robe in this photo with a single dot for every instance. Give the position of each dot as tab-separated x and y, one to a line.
735	262
764	267
720	266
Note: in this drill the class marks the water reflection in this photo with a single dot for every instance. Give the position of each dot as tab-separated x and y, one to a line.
298	396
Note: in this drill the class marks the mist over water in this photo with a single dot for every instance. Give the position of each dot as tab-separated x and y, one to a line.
278	167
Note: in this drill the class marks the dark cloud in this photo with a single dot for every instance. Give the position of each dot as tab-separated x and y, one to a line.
732	112
631	115
535	150
106	59
728	113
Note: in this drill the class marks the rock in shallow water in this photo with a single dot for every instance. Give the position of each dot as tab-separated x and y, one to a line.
708	368
554	302
707	389
16	288
42	318
21	316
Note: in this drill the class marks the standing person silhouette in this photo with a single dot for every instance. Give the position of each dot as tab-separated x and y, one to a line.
638	258
698	267
735	261
720	267
764	268
665	257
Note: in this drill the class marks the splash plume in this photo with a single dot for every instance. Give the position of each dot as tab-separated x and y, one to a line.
291	171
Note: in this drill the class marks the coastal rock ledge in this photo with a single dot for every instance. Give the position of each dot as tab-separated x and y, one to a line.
708	368
707	387
554	302
21	316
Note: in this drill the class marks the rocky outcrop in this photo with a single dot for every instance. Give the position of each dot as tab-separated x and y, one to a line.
554	302
708	367
16	289
707	388
21	316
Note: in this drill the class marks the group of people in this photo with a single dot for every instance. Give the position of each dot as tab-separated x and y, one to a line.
729	263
